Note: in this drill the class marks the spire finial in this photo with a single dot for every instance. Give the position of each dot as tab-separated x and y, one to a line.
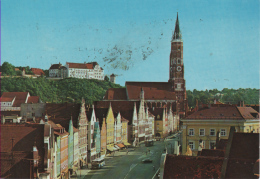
177	31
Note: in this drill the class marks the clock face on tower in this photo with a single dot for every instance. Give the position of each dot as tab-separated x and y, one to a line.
178	68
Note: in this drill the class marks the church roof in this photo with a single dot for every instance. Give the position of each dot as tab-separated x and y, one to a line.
116	94
152	90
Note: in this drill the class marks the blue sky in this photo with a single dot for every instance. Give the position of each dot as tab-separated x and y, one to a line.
132	38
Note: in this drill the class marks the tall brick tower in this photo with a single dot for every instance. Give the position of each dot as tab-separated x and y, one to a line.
177	68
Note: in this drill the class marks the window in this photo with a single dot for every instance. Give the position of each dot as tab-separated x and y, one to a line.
202	132
192	145
179	61
223	132
191	132
212	144
212	132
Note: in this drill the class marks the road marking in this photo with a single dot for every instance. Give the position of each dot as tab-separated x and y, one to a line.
131	167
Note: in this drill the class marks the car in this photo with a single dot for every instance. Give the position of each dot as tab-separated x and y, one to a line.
147	160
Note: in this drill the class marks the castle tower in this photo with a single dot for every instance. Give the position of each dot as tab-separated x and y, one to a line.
177	67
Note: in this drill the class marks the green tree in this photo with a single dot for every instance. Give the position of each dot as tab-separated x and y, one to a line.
8	69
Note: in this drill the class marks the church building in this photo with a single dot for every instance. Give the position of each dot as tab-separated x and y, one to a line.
171	94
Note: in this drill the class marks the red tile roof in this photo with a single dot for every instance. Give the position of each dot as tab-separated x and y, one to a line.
218	112
6	99
243	154
90	65
152	90
248	113
25	137
116	94
33	99
37	71
192	167
20	97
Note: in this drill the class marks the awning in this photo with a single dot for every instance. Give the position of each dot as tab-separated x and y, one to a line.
115	148
126	143
120	145
111	149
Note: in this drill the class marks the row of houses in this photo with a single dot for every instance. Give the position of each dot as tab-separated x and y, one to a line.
73	135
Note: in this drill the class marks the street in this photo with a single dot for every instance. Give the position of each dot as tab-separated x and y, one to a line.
130	166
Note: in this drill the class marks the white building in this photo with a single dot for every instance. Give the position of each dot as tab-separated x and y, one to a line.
85	70
57	71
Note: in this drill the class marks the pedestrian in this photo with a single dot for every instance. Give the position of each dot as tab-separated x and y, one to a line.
154	168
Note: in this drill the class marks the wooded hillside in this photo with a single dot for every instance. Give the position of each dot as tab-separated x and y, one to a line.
65	90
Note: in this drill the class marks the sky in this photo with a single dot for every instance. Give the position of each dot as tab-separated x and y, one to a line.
131	38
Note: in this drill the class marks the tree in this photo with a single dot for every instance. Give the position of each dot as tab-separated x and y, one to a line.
106	78
8	69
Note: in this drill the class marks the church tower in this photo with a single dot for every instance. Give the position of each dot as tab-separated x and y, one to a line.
177	67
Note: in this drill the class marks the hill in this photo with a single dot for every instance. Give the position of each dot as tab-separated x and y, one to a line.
64	90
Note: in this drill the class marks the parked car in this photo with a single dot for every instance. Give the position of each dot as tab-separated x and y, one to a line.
147	160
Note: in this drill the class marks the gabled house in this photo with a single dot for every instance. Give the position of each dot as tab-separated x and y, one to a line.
11	101
107	114
128	111
92	153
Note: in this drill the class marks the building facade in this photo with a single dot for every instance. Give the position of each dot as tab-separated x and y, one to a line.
214	121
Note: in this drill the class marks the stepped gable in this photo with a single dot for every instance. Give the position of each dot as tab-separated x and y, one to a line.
248	113
126	108
228	112
192	167
244	152
116	94
152	90
62	113
25	137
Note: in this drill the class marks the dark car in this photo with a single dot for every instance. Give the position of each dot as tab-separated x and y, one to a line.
147	160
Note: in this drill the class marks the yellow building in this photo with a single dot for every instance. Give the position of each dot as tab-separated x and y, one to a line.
206	123
160	122
110	122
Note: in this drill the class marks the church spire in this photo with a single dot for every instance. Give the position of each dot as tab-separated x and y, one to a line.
177	31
